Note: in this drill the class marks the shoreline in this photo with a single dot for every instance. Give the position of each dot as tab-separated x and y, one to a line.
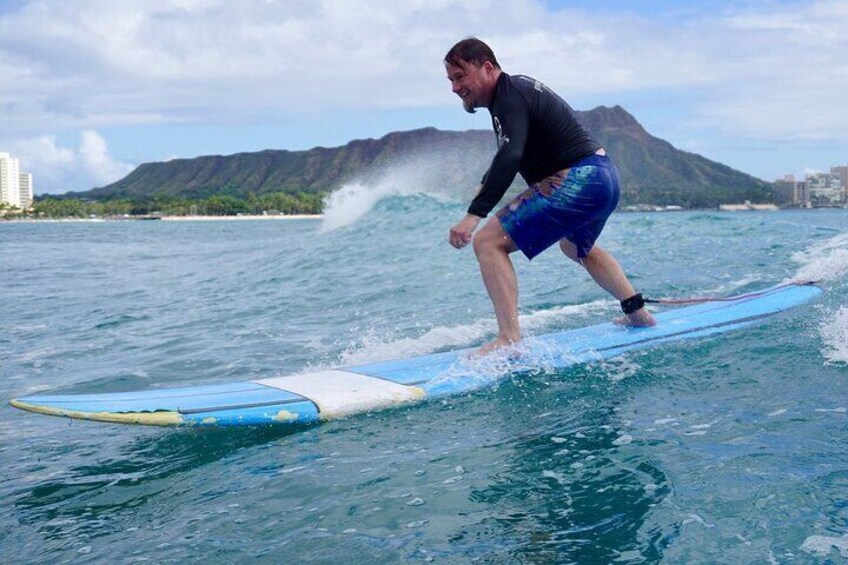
241	217
165	219
628	210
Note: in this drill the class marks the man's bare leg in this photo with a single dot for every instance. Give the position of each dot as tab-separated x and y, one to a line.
606	271
493	246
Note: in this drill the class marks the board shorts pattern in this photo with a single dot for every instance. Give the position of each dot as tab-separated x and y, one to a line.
573	204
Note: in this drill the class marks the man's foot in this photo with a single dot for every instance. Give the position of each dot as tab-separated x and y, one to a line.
499	344
641	318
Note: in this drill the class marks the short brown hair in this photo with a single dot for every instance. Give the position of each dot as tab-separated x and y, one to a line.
471	50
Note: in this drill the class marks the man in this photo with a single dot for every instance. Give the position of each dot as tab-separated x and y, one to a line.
573	187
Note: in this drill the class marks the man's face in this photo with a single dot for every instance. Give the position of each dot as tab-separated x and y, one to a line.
471	83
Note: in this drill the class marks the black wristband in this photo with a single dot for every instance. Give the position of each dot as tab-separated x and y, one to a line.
630	305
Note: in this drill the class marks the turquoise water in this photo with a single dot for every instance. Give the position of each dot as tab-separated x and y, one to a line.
727	450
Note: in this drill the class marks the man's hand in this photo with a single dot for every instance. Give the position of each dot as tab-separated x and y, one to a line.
460	234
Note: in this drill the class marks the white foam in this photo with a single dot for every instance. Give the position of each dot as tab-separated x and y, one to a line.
349	203
530	355
825	261
619	368
663	421
834	335
623	439
823	545
373	347
703	426
355	199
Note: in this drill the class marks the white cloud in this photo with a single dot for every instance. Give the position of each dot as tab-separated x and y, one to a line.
781	74
59	169
95	158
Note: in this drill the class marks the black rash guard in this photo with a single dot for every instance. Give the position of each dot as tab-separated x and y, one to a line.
538	135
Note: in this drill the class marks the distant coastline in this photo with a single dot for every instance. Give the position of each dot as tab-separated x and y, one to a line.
168	218
243	217
639	208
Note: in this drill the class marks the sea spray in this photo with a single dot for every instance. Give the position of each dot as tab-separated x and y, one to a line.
349	203
371	347
827	261
355	199
834	334
824	261
530	356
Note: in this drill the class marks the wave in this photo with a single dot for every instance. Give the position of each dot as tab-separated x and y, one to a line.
826	261
354	200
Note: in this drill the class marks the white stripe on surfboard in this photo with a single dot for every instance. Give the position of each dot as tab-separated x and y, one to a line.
339	393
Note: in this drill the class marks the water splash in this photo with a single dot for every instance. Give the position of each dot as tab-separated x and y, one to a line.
355	199
352	201
834	334
825	261
372	347
531	355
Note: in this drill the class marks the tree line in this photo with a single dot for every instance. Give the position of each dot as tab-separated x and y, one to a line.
216	205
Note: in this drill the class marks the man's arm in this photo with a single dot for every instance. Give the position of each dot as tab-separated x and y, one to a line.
512	125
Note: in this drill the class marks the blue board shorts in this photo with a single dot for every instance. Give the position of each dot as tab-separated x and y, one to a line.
573	204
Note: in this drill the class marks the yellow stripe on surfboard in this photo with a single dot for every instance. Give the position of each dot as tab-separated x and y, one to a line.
162	418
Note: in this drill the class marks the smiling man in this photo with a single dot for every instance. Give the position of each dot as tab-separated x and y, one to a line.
573	187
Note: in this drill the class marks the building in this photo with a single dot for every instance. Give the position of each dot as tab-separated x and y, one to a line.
842	173
10	180
25	186
825	189
791	192
15	186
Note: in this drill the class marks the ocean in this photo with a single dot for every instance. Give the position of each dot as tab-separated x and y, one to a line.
729	449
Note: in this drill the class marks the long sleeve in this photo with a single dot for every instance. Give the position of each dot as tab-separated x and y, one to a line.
511	121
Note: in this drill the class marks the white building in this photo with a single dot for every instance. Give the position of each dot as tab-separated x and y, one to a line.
25	187
825	189
10	181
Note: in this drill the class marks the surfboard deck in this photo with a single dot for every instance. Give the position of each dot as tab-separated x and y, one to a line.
335	393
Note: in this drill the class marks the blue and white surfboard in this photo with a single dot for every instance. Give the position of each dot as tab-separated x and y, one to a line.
336	393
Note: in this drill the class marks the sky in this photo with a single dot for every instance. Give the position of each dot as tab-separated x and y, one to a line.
89	89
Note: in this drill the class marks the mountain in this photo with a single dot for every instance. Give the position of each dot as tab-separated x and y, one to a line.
652	170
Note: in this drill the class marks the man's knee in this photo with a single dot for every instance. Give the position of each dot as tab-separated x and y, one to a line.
491	237
484	240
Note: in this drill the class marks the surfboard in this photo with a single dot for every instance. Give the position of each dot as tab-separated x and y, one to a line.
336	393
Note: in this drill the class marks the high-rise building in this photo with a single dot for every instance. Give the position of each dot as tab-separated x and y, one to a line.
25	186
825	189
790	192
10	180
784	191
842	173
15	186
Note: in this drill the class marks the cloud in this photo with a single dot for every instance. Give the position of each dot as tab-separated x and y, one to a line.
95	159
779	75
58	169
758	70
